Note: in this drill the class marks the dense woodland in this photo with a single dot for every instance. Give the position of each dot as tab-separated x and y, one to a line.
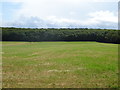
63	34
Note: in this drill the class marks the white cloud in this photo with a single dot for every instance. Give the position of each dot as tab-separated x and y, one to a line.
101	19
94	18
104	16
43	8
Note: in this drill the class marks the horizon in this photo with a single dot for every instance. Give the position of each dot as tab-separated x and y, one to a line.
59	28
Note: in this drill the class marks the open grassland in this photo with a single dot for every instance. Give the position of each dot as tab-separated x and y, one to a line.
59	65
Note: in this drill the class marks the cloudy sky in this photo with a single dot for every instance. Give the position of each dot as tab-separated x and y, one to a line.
59	13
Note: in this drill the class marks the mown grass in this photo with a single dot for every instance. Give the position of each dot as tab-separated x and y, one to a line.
60	65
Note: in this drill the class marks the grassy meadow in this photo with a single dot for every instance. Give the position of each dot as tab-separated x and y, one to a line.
59	65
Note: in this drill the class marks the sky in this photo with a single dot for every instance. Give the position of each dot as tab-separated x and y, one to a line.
59	13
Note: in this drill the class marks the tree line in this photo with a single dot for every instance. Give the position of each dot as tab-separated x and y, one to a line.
63	34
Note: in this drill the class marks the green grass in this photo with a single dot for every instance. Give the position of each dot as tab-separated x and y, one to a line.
60	65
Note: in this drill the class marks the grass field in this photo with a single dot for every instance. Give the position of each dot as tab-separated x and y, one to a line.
59	65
